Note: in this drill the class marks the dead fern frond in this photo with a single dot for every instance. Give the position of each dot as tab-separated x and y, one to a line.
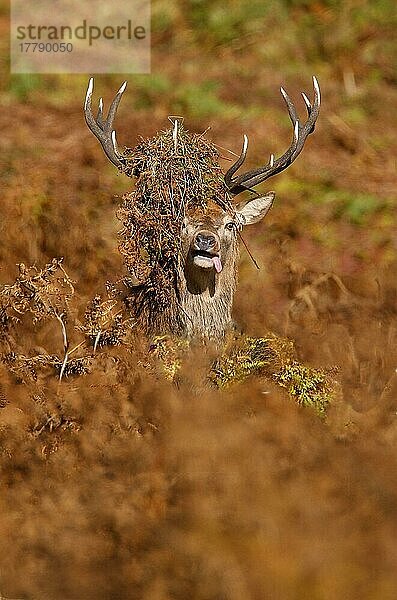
26	368
43	293
102	325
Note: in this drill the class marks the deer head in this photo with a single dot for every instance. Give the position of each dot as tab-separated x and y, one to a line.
210	254
198	268
210	235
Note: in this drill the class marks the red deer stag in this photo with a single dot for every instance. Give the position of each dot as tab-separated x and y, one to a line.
181	229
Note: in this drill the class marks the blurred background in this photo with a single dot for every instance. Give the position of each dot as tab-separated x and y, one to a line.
279	505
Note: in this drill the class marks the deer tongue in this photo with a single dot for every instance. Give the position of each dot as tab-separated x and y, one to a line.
217	264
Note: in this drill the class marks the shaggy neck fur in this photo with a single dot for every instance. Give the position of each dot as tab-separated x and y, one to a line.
207	299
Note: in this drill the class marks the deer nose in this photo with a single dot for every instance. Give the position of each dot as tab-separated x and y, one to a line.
205	241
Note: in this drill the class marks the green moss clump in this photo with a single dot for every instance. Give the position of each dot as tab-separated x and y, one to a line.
249	356
169	350
308	386
274	358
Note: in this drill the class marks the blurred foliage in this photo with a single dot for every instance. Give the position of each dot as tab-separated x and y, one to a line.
219	23
198	100
147	89
331	37
294	32
202	100
23	84
344	204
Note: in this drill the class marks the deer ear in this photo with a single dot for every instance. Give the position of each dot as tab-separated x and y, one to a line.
254	210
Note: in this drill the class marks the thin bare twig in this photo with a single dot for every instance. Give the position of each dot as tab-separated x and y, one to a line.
248	250
65	344
97	340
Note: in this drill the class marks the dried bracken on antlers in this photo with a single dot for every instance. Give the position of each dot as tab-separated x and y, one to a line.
300	133
103	129
177	172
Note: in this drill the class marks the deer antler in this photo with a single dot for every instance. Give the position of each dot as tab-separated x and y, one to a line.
102	129
274	166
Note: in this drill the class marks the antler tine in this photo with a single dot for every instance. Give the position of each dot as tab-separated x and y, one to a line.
315	109
290	105
102	129
308	104
99	117
300	133
115	104
239	162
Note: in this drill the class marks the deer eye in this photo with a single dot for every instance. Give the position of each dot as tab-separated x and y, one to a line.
230	226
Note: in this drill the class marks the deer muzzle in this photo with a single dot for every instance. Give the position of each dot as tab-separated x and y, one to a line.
205	250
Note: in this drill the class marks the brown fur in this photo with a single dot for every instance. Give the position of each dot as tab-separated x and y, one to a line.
207	299
207	296
192	300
